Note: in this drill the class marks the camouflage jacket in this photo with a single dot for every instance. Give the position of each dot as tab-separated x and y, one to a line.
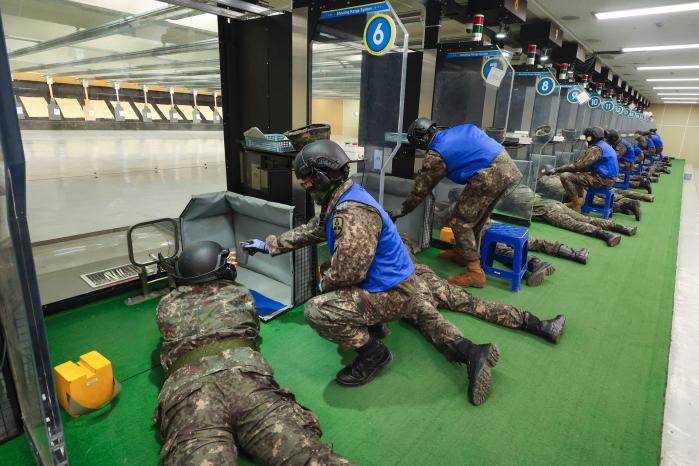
584	163
432	172
357	228
190	316
620	150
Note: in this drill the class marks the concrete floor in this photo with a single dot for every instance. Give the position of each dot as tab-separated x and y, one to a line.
83	185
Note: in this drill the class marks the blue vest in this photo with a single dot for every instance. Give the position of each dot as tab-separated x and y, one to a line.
629	155
657	141
637	150
651	144
607	166
391	265
466	150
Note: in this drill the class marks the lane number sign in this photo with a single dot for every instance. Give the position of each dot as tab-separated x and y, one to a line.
379	34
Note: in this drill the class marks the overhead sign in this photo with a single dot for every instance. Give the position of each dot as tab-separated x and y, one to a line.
379	34
479	53
545	85
619	109
572	95
595	101
627	111
355	10
608	105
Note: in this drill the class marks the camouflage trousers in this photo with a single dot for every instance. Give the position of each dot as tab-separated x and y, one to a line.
478	199
635	179
622	193
209	409
343	316
444	295
568	219
574	183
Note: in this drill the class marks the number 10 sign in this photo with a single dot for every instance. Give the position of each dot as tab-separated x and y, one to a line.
379	34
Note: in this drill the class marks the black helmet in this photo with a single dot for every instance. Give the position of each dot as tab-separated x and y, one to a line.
200	262
325	162
612	137
593	134
420	132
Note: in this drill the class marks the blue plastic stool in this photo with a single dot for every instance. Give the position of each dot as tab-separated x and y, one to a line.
515	237
605	210
627	180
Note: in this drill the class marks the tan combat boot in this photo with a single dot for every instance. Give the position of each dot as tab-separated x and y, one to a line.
576	203
453	255
472	277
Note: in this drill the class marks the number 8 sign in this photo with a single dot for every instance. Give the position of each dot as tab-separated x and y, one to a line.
379	34
545	85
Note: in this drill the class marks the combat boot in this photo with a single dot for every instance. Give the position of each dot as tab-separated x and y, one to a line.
379	331
634	209
537	270
565	252
472	277
550	330
645	184
453	255
664	170
479	359
653	180
575	203
624	230
371	358
610	238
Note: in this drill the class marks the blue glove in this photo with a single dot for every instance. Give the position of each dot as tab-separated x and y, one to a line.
253	246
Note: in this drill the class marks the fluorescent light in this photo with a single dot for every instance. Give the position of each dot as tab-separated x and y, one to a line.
673	67
675	87
678	93
501	35
657	10
672	79
683	102
657	48
679	98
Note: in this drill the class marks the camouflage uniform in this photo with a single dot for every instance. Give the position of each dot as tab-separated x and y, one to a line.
551	187
445	295
483	190
228	398
626	166
577	176
344	311
557	214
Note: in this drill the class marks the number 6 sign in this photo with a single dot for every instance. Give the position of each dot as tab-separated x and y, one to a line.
379	34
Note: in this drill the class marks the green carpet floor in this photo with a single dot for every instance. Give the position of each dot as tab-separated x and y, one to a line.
596	398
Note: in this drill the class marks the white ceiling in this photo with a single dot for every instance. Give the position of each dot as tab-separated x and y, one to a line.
611	35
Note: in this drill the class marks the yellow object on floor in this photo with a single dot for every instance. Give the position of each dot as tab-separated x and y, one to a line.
446	235
87	385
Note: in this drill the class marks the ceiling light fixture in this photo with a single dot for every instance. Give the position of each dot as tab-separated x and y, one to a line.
671	79
657	10
658	48
673	67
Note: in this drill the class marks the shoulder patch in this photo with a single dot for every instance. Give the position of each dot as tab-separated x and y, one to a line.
338	225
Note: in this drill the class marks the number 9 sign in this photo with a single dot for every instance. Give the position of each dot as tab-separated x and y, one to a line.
379	34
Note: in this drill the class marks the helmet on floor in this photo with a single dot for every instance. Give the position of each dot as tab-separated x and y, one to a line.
593	134
612	137
327	166
200	262
420	132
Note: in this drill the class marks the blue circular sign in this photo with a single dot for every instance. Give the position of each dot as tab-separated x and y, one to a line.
379	34
489	64
572	96
608	106
627	111
594	102
618	109
545	85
